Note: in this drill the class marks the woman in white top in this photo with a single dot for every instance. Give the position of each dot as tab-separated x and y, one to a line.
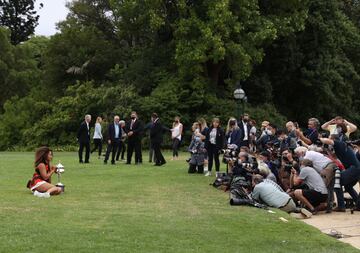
176	134
98	136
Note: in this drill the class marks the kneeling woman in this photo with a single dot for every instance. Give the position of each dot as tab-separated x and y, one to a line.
40	184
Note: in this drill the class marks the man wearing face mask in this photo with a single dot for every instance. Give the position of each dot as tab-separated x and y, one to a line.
245	127
269	137
134	129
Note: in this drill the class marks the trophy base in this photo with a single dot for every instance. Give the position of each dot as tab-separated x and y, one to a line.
61	186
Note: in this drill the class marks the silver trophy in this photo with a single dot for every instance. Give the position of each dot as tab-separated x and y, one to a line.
59	170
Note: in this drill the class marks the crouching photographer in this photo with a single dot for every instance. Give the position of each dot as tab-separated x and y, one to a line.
40	184
272	195
244	166
288	161
315	197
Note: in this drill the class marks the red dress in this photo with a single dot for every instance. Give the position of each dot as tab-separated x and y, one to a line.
37	180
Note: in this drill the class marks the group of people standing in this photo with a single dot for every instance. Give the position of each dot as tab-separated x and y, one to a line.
132	131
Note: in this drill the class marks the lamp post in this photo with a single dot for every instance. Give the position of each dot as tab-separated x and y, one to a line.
240	97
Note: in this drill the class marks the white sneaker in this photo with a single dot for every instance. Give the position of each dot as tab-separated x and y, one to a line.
206	169
208	174
41	194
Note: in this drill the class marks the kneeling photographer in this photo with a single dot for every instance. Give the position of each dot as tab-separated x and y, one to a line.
315	197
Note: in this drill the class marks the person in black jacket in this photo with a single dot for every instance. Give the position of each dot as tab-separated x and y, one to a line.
156	138
134	129
83	137
114	139
245	127
214	142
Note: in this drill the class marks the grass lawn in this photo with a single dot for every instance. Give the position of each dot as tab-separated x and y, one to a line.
123	208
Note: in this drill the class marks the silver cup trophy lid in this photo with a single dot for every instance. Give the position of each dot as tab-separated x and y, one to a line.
60	168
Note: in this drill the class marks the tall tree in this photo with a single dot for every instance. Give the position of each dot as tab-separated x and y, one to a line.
20	17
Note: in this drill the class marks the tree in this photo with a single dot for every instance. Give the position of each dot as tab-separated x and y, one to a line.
19	17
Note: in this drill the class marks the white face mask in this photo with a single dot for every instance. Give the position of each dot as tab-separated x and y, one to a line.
268	132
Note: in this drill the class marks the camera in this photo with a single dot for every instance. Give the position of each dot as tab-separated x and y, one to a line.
230	153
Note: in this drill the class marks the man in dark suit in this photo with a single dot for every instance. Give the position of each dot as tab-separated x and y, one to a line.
156	138
114	139
245	127
134	129
83	137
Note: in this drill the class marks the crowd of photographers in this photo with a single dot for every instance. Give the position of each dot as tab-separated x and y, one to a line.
289	169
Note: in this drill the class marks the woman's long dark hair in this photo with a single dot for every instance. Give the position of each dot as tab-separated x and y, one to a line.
41	155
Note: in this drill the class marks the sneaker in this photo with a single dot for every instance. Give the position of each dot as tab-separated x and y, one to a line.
206	169
208	174
305	212
41	194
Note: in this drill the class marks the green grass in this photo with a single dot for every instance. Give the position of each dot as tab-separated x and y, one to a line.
139	209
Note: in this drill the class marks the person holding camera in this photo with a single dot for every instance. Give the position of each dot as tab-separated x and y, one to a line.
315	197
197	151
233	133
348	177
40	184
214	142
310	136
339	125
287	163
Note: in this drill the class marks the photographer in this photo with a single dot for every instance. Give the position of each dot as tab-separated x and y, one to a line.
334	126
197	151
233	133
311	134
268	138
271	194
348	177
287	163
291	136
40	184
322	164
315	197
273	165
242	167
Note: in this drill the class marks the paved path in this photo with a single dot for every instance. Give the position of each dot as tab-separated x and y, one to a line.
346	224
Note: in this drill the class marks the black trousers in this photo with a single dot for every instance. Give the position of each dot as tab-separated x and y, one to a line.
87	151
98	145
134	145
112	148
159	158
213	154
120	151
175	147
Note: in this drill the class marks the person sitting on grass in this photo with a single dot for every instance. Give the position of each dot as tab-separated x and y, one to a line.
315	197
40	184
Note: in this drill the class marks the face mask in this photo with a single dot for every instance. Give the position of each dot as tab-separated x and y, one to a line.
176	121
245	120
339	130
301	158
133	117
268	132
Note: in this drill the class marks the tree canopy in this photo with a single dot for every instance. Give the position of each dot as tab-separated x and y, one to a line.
295	59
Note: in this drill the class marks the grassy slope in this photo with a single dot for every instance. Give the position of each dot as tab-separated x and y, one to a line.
139	209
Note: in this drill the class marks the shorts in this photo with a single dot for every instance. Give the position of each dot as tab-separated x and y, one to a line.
315	198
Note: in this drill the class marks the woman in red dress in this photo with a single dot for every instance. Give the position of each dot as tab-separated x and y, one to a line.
40	184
